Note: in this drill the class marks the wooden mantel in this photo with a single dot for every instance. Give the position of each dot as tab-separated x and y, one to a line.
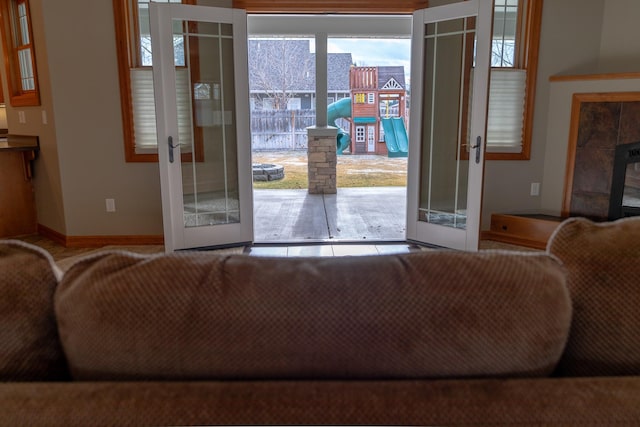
594	76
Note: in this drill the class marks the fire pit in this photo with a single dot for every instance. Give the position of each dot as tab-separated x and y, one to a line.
267	172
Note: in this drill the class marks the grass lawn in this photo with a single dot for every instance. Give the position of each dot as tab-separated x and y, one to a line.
352	170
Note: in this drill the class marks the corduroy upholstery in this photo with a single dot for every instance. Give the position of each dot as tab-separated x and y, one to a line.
29	346
424	315
603	276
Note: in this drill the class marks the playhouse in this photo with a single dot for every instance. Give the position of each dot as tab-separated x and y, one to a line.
376	110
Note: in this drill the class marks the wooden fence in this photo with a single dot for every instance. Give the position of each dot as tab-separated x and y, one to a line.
282	130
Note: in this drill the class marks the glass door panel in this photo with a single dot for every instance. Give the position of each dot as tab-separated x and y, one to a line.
201	99
449	86
444	175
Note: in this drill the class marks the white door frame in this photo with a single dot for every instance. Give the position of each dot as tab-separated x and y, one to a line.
176	235
431	233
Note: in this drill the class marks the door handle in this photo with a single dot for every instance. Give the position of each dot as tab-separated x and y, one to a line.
171	147
478	147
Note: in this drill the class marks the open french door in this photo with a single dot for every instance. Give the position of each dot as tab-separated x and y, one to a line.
202	107
449	84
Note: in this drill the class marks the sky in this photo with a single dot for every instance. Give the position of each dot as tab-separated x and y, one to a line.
373	52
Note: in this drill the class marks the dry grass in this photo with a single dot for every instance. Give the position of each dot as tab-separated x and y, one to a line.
352	170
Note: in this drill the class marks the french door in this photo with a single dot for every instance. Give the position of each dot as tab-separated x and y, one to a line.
449	84
202	109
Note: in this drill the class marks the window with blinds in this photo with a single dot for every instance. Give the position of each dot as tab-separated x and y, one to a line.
144	112
506	110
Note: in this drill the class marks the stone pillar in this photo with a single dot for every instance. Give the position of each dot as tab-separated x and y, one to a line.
322	159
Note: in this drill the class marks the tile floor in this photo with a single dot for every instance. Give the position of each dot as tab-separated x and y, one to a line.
331	249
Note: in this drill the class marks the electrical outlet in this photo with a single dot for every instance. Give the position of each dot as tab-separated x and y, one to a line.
535	188
111	205
22	118
44	117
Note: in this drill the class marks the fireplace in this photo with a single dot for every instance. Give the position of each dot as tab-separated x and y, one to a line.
603	163
625	182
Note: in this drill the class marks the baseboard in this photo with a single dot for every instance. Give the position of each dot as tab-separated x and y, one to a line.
98	241
51	234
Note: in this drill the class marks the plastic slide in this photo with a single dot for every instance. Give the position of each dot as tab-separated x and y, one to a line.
395	136
337	110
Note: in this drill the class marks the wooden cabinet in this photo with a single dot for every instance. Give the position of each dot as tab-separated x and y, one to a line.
529	230
17	201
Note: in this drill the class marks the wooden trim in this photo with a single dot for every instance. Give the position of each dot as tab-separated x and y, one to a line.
531	48
523	230
121	19
320	6
129	57
51	234
513	240
534	24
17	96
98	241
600	76
576	104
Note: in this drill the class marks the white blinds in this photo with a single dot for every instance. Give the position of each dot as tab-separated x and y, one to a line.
506	110
144	112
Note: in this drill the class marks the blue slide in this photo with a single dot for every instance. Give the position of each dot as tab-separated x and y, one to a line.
340	109
395	135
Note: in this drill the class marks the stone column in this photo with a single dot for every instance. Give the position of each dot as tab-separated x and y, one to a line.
322	159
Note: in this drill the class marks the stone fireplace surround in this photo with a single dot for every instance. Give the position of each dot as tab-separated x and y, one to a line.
602	122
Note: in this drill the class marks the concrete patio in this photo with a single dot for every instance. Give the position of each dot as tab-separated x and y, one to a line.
353	214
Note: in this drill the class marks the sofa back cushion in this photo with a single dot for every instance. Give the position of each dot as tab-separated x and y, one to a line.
29	345
603	265
420	315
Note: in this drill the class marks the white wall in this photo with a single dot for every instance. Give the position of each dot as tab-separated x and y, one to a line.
620	44
618	51
82	159
570	40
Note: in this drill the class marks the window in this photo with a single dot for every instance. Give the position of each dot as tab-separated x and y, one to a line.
18	46
359	98
514	58
371	98
136	84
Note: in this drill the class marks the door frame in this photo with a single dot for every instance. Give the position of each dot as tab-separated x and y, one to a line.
428	233
176	235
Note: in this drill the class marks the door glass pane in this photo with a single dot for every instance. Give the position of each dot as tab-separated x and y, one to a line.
207	124
448	57
283	94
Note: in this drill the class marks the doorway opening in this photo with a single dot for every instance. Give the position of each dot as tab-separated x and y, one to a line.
367	100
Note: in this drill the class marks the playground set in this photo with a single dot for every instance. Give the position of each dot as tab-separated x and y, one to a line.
376	110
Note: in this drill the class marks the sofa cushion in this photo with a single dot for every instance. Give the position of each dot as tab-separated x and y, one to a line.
603	264
419	315
29	345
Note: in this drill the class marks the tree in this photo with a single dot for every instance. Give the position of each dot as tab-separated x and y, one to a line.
279	68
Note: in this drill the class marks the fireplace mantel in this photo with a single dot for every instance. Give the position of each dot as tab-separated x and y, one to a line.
593	76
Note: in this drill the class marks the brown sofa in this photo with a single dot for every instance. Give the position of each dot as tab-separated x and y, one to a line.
429	338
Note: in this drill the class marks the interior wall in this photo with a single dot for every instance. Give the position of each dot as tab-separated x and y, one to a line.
559	121
80	43
620	44
46	181
618	49
570	40
82	157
